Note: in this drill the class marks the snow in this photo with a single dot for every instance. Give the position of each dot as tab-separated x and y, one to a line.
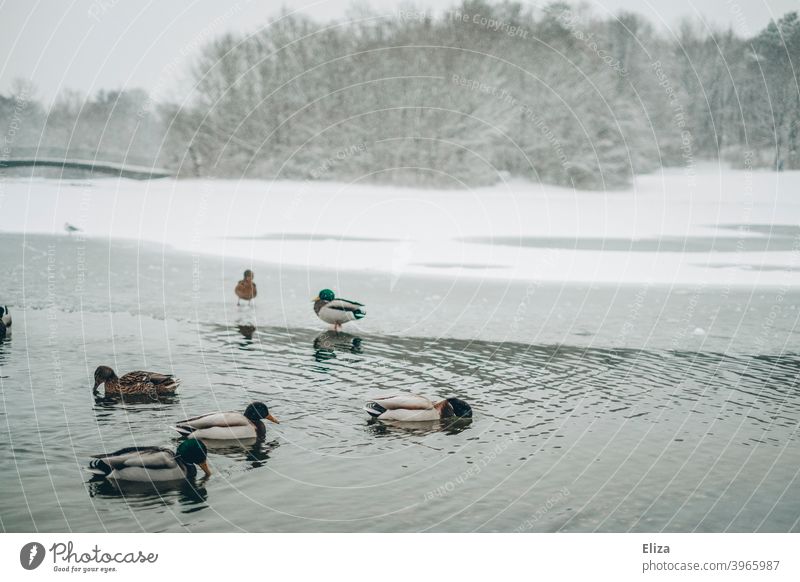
402	230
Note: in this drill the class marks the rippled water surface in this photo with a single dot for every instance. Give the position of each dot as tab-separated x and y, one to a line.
610	409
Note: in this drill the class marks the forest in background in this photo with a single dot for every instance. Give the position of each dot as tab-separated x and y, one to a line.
483	92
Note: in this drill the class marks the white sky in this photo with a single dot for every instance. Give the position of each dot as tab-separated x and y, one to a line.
89	45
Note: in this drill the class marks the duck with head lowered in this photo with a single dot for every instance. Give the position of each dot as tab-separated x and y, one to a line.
337	311
228	425
413	408
152	464
134	383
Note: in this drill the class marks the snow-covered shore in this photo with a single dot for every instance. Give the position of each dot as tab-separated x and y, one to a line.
713	226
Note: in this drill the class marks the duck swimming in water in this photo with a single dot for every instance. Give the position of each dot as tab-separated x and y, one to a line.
228	425
152	464
412	407
337	311
134	383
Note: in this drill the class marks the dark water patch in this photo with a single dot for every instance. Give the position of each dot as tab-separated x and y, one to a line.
311	237
477	266
753	267
780	230
663	244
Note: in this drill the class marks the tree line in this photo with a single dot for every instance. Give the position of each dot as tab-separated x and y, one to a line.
467	98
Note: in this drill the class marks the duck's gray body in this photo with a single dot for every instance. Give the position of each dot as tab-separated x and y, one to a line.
142	464
220	426
403	407
339	311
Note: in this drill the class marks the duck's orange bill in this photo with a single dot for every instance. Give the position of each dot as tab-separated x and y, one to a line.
204	467
316	298
273	419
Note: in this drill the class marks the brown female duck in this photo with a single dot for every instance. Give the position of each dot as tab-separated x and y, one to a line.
134	383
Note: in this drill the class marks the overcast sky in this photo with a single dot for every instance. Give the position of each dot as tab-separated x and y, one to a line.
111	44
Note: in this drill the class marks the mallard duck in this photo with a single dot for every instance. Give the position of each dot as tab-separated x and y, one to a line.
132	383
411	408
337	311
5	316
246	289
151	464
228	425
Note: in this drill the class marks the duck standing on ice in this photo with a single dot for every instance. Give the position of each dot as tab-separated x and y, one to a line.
337	311
246	289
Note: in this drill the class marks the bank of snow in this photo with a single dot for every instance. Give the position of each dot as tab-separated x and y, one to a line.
713	226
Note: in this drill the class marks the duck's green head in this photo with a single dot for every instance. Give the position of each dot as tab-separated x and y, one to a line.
326	295
194	451
460	408
259	411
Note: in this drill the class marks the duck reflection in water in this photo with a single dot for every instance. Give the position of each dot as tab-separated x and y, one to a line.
255	451
247	330
186	492
123	399
326	344
449	426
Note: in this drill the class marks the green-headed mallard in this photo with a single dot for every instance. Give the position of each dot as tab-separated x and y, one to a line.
228	425
151	464
411	407
337	311
246	289
134	383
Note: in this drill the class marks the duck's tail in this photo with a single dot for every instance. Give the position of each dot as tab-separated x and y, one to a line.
99	467
184	430
374	409
360	313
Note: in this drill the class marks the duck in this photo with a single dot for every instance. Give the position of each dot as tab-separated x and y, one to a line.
134	383
337	311
228	425
5	316
246	289
415	408
151	464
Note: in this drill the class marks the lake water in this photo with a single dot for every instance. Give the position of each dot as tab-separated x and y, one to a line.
605	408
